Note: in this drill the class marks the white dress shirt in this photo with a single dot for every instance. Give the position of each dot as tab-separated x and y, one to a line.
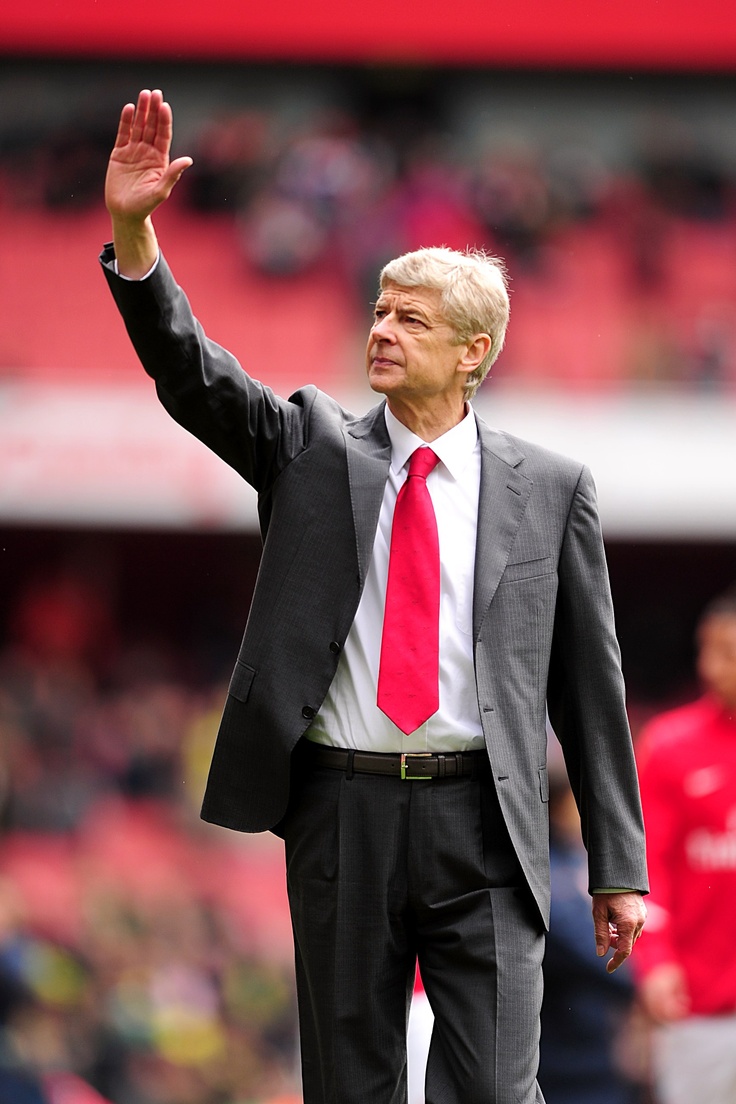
349	716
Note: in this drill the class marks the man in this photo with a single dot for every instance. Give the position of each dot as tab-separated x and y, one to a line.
389	723
687	967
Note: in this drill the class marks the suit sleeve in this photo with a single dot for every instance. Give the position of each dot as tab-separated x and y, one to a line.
586	703
202	386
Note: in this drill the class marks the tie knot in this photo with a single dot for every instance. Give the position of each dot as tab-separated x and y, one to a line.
423	460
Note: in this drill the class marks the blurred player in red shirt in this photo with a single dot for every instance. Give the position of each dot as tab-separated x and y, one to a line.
686	962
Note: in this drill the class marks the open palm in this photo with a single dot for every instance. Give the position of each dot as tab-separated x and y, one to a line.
140	175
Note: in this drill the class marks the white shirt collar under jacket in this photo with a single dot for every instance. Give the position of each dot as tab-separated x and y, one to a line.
454	448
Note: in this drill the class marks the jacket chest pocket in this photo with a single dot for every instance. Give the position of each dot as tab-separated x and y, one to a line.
528	569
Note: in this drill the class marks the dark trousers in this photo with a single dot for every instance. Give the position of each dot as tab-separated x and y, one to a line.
382	873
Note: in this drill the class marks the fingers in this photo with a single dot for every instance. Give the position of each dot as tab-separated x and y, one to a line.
124	126
140	116
148	121
618	920
601	926
620	955
140	176
158	127
623	938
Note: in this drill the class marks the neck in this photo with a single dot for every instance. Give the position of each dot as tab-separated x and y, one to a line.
428	424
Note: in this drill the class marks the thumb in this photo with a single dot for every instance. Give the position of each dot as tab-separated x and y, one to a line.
173	175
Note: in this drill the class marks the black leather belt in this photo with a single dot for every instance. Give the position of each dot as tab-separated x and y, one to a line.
409	766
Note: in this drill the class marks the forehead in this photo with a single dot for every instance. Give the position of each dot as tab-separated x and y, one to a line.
425	300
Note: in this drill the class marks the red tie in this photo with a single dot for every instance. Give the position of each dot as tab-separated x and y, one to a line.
408	678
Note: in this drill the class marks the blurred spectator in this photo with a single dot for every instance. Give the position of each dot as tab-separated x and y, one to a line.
681	178
687	972
433	203
652	353
32	1041
578	181
75	162
714	348
641	229
511	197
64	617
329	168
321	184
588	1047
231	158
280	236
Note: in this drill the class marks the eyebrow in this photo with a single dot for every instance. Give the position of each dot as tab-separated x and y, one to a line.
404	308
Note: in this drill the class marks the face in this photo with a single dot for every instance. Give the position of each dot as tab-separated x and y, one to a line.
717	657
412	355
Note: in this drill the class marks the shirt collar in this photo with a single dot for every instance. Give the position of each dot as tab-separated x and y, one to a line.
454	448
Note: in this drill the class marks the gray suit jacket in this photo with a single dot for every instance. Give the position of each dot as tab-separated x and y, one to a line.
543	621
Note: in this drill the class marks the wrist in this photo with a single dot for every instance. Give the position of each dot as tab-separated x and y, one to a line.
136	246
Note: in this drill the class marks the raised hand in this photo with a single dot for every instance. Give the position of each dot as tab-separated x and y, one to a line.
140	175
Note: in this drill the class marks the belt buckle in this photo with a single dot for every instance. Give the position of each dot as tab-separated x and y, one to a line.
414	755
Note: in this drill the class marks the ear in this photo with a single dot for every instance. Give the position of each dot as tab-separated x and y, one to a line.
476	350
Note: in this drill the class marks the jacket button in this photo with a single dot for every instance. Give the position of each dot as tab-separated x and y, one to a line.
335	647
308	712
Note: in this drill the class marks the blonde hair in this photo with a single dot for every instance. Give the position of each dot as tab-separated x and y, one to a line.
474	295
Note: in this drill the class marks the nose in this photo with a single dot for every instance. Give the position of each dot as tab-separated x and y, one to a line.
383	330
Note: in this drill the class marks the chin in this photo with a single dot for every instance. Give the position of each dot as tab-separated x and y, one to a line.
378	383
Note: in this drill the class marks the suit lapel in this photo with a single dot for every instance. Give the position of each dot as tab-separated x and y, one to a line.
369	455
504	493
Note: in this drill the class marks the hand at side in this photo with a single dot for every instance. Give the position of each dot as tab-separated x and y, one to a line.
618	919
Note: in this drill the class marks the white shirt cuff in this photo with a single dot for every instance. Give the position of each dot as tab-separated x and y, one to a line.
132	279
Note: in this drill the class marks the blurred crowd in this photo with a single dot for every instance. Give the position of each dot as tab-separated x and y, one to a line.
378	184
373	189
144	956
653	238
